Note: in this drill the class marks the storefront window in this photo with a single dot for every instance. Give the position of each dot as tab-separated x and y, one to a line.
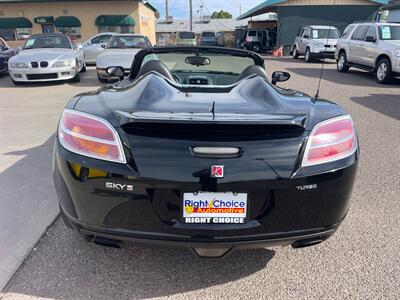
117	29
7	34
12	34
23	33
73	32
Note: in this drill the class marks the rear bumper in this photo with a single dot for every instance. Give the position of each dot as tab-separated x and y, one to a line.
281	212
302	237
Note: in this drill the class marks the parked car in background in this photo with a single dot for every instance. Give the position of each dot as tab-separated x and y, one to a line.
186	38
316	42
47	57
93	46
120	52
208	38
259	40
5	53
370	46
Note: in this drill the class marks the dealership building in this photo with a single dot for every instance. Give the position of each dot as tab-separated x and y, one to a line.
80	19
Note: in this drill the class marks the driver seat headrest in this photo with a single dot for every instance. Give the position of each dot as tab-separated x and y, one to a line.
155	66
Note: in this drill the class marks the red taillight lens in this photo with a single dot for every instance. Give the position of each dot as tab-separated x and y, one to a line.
90	136
330	140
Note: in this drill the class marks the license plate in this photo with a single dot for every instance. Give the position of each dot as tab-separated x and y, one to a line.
214	208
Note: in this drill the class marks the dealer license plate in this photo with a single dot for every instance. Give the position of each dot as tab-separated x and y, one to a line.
214	208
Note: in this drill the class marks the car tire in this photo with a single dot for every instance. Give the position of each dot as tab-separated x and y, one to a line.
83	70
307	55
295	53
256	47
102	80
384	72
17	82
342	64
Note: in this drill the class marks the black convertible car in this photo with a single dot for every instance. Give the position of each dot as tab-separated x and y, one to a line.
198	148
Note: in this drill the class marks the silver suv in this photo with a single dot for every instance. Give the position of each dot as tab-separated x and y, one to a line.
315	42
374	47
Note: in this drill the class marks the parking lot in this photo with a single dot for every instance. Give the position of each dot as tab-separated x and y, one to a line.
362	260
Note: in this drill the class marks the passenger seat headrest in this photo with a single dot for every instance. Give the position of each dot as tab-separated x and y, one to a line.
155	66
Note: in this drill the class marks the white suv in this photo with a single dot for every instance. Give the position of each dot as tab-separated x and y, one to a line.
370	46
315	42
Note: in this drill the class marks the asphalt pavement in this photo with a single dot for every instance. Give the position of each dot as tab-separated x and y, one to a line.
361	261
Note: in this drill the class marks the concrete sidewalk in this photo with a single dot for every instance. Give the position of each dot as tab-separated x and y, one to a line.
28	119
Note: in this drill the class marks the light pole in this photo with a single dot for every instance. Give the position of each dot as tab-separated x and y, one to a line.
191	15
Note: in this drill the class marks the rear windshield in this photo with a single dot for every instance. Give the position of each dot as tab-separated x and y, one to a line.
186	35
220	69
252	33
323	34
389	32
127	42
208	34
47	41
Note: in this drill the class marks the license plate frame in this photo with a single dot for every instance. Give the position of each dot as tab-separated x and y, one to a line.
216	208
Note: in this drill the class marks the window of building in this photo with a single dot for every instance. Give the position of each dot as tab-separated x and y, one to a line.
72	32
117	29
12	29
23	33
7	34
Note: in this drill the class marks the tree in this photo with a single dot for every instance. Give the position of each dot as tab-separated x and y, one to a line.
221	15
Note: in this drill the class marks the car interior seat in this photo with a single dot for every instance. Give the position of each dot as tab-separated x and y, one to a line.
155	66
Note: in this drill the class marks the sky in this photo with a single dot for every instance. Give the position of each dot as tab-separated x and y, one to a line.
179	9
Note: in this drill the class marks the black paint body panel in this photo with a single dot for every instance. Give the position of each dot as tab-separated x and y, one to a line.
159	123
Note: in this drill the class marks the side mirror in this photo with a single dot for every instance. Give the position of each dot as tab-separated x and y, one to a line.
306	36
116	72
79	46
370	39
103	46
279	76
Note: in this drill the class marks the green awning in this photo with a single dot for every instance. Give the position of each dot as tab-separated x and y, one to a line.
67	21
15	23
115	20
44	20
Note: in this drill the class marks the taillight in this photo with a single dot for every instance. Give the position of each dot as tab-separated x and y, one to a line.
90	136
330	140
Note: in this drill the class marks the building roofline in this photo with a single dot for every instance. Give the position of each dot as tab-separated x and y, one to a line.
145	2
268	6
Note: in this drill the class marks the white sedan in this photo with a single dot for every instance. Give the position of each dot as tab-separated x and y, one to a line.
47	57
120	52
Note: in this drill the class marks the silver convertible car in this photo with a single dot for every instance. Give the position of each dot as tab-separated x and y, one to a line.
47	57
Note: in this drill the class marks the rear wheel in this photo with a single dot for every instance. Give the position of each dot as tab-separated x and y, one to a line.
384	72
307	56
342	64
295	54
